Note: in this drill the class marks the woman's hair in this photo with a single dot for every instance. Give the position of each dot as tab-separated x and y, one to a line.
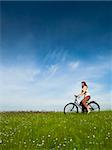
84	84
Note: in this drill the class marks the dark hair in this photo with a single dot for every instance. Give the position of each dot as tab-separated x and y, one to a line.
84	84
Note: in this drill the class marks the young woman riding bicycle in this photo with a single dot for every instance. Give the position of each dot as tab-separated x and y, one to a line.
86	95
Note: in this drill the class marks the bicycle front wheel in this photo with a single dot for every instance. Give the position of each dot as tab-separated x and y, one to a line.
94	106
70	108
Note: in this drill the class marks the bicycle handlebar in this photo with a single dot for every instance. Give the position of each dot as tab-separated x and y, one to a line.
76	96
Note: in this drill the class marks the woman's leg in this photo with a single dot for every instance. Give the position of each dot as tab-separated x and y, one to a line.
84	102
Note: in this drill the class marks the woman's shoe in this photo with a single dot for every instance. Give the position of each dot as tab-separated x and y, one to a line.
89	111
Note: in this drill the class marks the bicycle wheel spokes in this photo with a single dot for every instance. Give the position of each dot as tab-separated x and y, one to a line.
94	106
70	108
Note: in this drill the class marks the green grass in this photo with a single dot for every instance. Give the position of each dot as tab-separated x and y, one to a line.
53	131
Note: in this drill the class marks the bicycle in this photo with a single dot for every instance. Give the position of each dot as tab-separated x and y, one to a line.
74	107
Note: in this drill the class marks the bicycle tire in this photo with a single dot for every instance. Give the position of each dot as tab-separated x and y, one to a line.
73	108
94	106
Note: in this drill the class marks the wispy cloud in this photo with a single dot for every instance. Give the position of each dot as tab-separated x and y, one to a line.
16	76
73	65
53	69
55	55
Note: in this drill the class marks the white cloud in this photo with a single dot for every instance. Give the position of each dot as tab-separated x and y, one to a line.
57	55
12	77
53	69
74	65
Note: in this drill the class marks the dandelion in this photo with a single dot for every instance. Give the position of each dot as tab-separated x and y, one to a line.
24	142
71	140
0	141
43	141
49	135
90	142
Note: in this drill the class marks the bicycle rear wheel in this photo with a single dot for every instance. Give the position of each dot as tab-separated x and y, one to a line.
94	106
70	108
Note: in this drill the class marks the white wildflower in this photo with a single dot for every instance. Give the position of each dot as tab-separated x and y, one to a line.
49	135
0	141
71	140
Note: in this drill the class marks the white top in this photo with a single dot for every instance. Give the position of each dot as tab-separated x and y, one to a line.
87	94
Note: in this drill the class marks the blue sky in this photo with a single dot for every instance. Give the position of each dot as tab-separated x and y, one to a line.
48	48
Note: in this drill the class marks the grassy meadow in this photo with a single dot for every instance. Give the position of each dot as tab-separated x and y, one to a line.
55	130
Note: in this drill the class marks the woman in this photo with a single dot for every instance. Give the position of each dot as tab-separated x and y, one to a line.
86	95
